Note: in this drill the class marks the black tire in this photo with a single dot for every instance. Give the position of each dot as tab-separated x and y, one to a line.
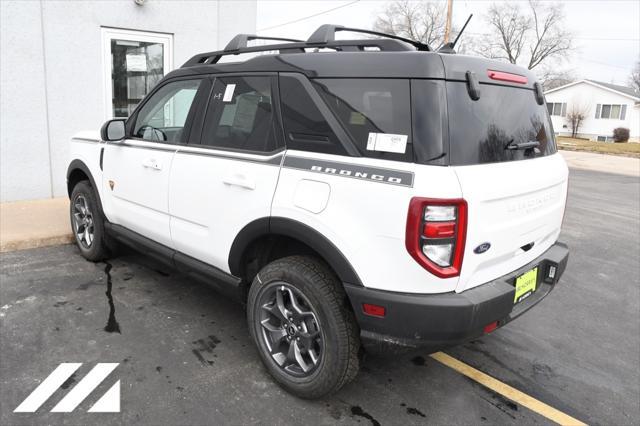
318	291
84	195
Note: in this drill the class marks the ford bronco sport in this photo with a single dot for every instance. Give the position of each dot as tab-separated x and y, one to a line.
355	194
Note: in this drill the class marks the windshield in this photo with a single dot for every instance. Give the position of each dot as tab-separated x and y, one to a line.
490	129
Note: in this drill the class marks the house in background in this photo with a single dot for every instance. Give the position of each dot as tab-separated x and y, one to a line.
67	66
606	107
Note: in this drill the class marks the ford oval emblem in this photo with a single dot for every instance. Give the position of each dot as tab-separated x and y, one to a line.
482	248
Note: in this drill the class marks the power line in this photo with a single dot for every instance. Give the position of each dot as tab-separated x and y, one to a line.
604	64
575	37
608	39
308	17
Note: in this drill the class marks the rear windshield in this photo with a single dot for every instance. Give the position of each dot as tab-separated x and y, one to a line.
481	131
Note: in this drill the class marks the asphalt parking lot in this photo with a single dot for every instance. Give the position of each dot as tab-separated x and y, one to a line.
186	358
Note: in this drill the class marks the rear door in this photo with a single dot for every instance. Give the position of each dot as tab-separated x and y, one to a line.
516	197
228	179
136	170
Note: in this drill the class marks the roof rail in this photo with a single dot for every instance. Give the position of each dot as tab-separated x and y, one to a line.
323	37
327	32
240	41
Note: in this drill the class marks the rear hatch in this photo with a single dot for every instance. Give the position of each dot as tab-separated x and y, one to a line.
516	197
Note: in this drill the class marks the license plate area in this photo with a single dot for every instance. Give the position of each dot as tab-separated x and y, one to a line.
526	284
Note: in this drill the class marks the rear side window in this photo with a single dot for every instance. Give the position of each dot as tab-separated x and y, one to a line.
305	127
376	113
241	115
481	131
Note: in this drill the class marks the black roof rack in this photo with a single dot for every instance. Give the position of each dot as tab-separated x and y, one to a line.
240	41
323	37
327	32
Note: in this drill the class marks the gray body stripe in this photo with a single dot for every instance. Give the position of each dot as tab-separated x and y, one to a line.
335	168
270	161
350	170
153	148
83	140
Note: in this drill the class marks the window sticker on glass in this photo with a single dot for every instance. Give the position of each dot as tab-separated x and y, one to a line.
387	142
357	118
246	109
228	93
136	62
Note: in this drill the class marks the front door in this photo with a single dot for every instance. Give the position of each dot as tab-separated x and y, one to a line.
228	180
136	170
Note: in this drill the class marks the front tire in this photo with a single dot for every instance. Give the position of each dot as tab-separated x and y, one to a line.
299	320
87	223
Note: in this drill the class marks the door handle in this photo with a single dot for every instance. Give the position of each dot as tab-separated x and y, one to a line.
151	163
239	180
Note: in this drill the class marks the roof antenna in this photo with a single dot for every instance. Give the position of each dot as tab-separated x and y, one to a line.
448	48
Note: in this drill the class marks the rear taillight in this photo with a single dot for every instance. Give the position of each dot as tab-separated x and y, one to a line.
436	232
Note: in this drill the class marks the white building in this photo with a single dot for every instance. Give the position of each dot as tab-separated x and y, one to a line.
69	66
606	107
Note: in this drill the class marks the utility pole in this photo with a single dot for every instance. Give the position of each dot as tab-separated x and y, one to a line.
447	28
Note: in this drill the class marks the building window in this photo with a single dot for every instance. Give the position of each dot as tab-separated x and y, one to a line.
611	111
559	109
605	139
133	62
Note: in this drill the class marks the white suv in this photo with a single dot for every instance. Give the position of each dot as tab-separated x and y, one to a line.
355	194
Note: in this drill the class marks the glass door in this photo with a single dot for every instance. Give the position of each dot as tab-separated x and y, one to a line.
134	62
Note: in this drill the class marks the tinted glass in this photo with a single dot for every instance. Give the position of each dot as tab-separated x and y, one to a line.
305	127
428	98
163	116
241	115
480	131
370	107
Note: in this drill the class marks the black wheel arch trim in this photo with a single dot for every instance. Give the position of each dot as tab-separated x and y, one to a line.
80	165
297	230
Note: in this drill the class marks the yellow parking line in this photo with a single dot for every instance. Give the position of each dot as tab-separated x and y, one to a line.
506	390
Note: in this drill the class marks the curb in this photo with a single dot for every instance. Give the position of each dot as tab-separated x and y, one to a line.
15	245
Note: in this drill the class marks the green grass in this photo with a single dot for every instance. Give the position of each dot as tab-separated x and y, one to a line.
628	149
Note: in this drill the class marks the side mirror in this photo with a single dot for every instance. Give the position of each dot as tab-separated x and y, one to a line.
113	130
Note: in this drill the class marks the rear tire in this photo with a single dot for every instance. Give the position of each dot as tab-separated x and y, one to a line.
306	336
87	222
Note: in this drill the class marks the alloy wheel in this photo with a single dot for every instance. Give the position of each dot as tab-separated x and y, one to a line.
290	329
83	221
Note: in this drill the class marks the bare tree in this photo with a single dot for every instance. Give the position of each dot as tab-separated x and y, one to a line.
551	37
552	78
531	36
575	117
634	78
420	21
508	36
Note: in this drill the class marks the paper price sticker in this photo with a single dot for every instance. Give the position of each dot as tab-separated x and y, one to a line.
387	142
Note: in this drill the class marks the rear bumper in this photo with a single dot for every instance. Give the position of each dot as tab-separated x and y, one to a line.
435	321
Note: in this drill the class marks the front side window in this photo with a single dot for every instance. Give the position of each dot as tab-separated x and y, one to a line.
163	117
241	115
376	113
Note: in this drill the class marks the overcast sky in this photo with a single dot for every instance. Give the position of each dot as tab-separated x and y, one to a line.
606	33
